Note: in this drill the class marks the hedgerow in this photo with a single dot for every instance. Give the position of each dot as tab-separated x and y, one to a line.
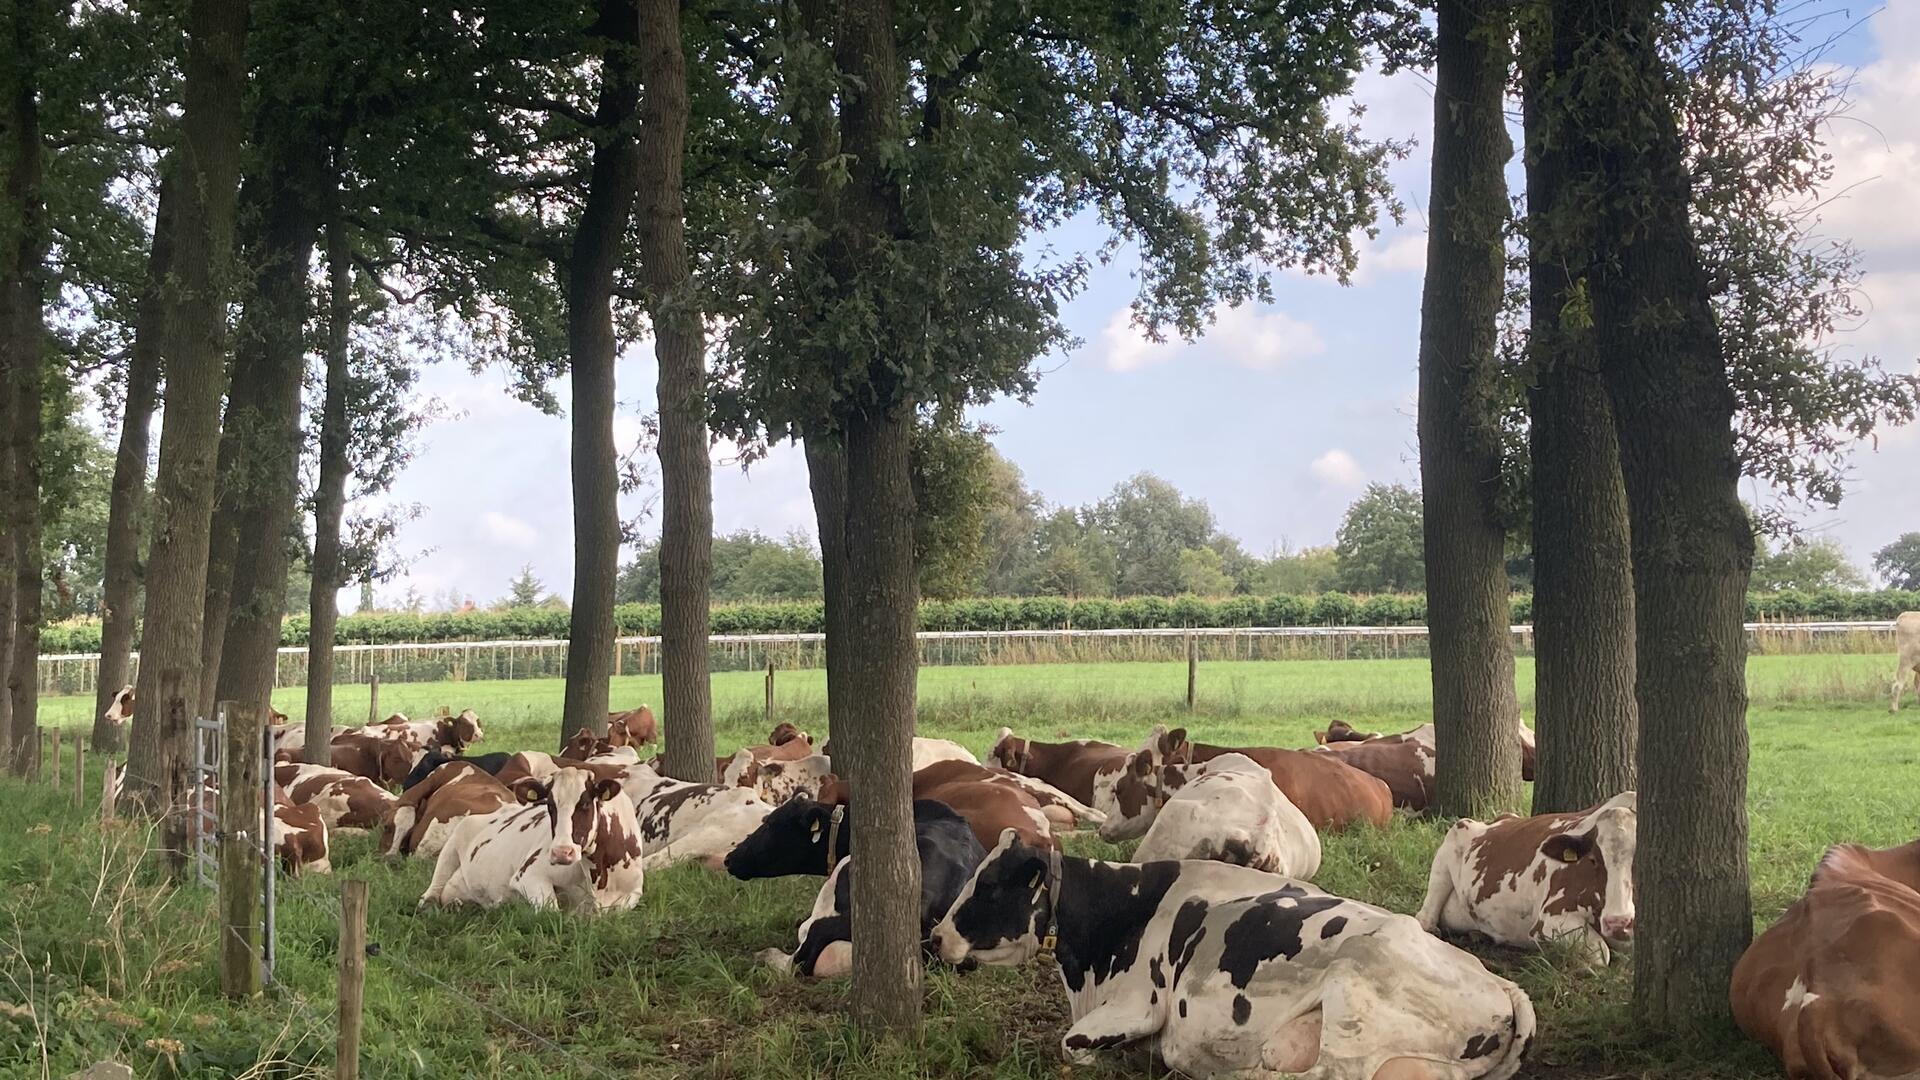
995	613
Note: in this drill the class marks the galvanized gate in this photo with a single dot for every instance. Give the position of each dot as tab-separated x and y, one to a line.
209	758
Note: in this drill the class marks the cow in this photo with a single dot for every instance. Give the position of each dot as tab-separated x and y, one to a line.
1231	971
681	821
1331	793
803	836
385	761
988	807
426	813
1403	762
572	844
1832	988
299	832
437	756
1070	766
777	781
1232	812
784	743
120	709
927	751
635	727
1523	881
1063	810
1906	668
344	801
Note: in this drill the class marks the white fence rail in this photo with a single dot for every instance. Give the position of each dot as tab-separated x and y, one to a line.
76	673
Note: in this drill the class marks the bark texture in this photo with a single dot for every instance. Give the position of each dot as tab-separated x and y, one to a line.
873	667
330	495
1475	710
598	244
1692	544
1587	723
266	479
127	500
193	303
686	476
23	363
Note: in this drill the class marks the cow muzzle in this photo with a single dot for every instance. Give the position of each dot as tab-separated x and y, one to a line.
563	855
1616	927
949	944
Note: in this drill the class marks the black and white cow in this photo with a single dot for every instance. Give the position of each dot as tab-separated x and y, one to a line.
689	822
1233	971
801	836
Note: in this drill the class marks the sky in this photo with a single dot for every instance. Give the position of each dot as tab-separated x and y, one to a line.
1278	416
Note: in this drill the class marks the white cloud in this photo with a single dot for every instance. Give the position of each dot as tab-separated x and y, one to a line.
509	531
1876	150
1241	336
1337	469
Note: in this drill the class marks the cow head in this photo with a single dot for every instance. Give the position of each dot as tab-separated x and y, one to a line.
636	727
1009	751
777	782
120	709
784	733
581	746
1340	731
1002	911
398	719
579	806
465	729
792	839
396	761
1592	867
1131	797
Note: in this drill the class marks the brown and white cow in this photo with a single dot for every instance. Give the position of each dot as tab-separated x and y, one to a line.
635	727
1906	644
120	709
1062	810
385	761
571	843
425	814
1331	793
299	832
777	781
989	808
1524	881
1832	988
1070	766
1404	762
1230	811
784	743
345	801
689	822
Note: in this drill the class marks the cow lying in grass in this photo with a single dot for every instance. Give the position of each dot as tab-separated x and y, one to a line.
1232	812
682	822
1232	972
572	843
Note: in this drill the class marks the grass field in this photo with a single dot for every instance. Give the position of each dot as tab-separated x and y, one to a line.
97	961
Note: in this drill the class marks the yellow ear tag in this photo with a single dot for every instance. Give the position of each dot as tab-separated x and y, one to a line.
1049	943
1569	855
528	795
607	794
1035	883
816	832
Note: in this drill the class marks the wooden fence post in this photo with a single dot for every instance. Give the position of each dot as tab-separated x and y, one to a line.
1193	669
241	827
353	974
79	771
54	773
373	699
39	752
176	737
107	808
769	690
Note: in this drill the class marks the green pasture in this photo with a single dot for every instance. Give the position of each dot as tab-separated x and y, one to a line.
97	961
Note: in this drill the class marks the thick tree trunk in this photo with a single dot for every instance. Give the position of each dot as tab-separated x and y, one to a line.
598	244
6	575
330	496
23	362
1475	711
193	301
126	507
1692	544
1586	721
686	476
272	354
878	660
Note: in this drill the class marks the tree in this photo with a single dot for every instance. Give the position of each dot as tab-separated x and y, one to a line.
525	591
1073	558
1149	524
1010	531
1608	101
1379	546
686	473
1202	573
953	491
193	302
76	472
1898	564
330	492
1309	571
1475	710
1806	565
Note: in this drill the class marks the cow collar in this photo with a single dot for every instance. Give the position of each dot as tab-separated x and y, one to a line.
833	836
1050	939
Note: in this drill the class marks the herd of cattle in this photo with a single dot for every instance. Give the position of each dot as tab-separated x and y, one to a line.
1212	942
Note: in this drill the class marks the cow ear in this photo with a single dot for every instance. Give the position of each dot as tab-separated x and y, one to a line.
529	790
607	789
1566	848
1174	739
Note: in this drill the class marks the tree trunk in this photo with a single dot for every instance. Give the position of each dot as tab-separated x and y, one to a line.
598	245
223	535
330	496
686	474
23	364
877	658
193	304
6	572
126	507
1692	544
1475	712
1586	722
272	351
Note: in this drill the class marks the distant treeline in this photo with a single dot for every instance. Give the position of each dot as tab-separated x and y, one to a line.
998	613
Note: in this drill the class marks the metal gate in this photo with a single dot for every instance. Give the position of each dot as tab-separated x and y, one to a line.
209	758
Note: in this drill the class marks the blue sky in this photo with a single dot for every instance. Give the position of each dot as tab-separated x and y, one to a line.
1277	417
